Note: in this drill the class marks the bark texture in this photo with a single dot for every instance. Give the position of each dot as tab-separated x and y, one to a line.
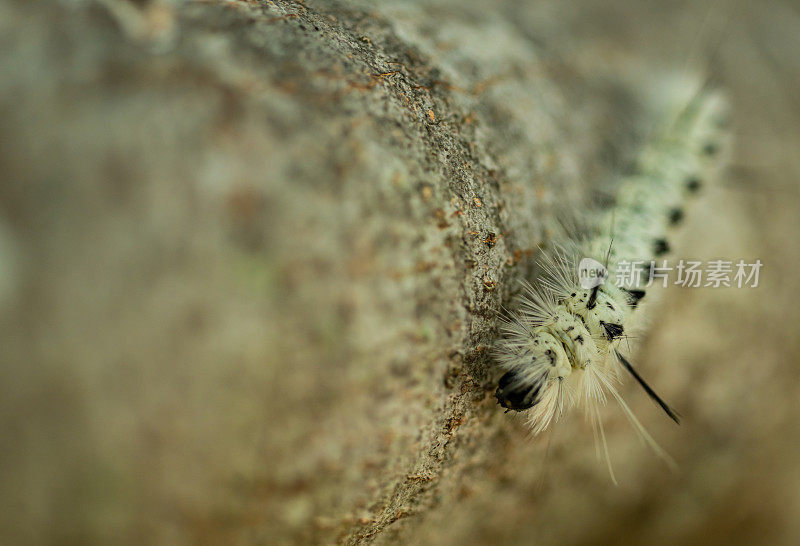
252	255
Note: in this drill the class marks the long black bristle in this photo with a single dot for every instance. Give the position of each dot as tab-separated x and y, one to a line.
650	392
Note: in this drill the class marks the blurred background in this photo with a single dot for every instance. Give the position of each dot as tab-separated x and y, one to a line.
252	255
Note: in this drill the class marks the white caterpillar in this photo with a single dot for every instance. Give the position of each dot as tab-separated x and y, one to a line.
562	346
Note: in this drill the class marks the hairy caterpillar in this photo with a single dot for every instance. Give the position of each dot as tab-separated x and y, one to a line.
562	345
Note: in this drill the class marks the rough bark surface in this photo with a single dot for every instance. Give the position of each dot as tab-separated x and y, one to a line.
253	253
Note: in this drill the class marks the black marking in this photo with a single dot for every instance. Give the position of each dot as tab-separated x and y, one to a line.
512	394
593	298
551	356
579	339
634	296
675	216
660	247
608	304
710	148
693	184
571	328
650	392
612	330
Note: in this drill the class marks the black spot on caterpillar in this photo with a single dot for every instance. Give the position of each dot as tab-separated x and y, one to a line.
634	296
660	247
694	184
613	331
675	216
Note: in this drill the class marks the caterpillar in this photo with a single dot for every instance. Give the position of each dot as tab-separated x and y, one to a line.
562	346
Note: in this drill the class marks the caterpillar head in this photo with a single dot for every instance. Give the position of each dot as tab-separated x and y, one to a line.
513	393
534	367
